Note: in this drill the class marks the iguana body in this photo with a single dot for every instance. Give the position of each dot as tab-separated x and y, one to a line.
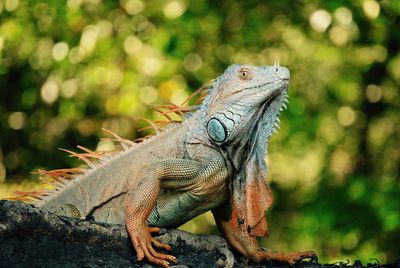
102	197
213	160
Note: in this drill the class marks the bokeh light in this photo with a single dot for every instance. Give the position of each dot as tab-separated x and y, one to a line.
67	69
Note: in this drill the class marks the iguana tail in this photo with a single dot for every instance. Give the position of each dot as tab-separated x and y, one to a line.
77	192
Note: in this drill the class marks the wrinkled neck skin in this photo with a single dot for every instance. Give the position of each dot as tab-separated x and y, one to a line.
245	157
250	194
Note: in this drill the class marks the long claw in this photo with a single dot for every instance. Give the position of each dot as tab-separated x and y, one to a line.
161	256
298	256
155	260
148	251
143	243
154	230
161	245
138	248
289	258
307	254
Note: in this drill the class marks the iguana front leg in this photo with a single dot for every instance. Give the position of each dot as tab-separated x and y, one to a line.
247	244
141	200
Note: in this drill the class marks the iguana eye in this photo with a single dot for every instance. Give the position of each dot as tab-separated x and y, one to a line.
244	74
216	130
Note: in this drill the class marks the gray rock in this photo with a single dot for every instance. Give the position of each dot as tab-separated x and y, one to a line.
33	238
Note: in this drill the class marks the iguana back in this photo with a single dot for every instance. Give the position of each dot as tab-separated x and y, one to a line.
99	192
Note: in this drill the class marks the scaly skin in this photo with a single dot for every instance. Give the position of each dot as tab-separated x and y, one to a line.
214	160
200	179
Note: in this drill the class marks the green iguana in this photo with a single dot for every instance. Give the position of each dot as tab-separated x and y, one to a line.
214	160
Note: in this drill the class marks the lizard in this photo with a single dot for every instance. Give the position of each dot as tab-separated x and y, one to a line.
213	160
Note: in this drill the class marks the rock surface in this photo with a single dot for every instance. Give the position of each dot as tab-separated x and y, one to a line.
33	238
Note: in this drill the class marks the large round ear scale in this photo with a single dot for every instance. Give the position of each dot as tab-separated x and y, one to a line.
216	130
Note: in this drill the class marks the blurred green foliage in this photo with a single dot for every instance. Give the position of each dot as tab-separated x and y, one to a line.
68	68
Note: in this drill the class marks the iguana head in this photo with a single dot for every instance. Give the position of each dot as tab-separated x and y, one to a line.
240	93
243	109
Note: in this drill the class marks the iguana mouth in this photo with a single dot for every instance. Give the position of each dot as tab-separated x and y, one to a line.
283	81
274	96
282	90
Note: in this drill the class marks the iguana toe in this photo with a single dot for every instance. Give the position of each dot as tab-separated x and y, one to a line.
288	258
156	230
142	242
298	256
161	245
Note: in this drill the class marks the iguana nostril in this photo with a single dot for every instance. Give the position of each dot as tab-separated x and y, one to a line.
283	73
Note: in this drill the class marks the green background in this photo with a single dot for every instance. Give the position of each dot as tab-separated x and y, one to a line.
69	68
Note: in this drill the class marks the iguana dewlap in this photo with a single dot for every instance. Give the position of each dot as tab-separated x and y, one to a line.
213	160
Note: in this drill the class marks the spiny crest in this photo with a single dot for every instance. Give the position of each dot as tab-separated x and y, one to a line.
30	197
182	111
276	124
57	179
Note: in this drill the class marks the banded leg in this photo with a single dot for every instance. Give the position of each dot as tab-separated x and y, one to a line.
247	245
141	200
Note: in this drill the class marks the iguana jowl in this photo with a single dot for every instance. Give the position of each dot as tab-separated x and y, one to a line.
214	160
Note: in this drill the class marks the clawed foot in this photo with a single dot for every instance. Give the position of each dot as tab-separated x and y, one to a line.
294	257
289	258
143	243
